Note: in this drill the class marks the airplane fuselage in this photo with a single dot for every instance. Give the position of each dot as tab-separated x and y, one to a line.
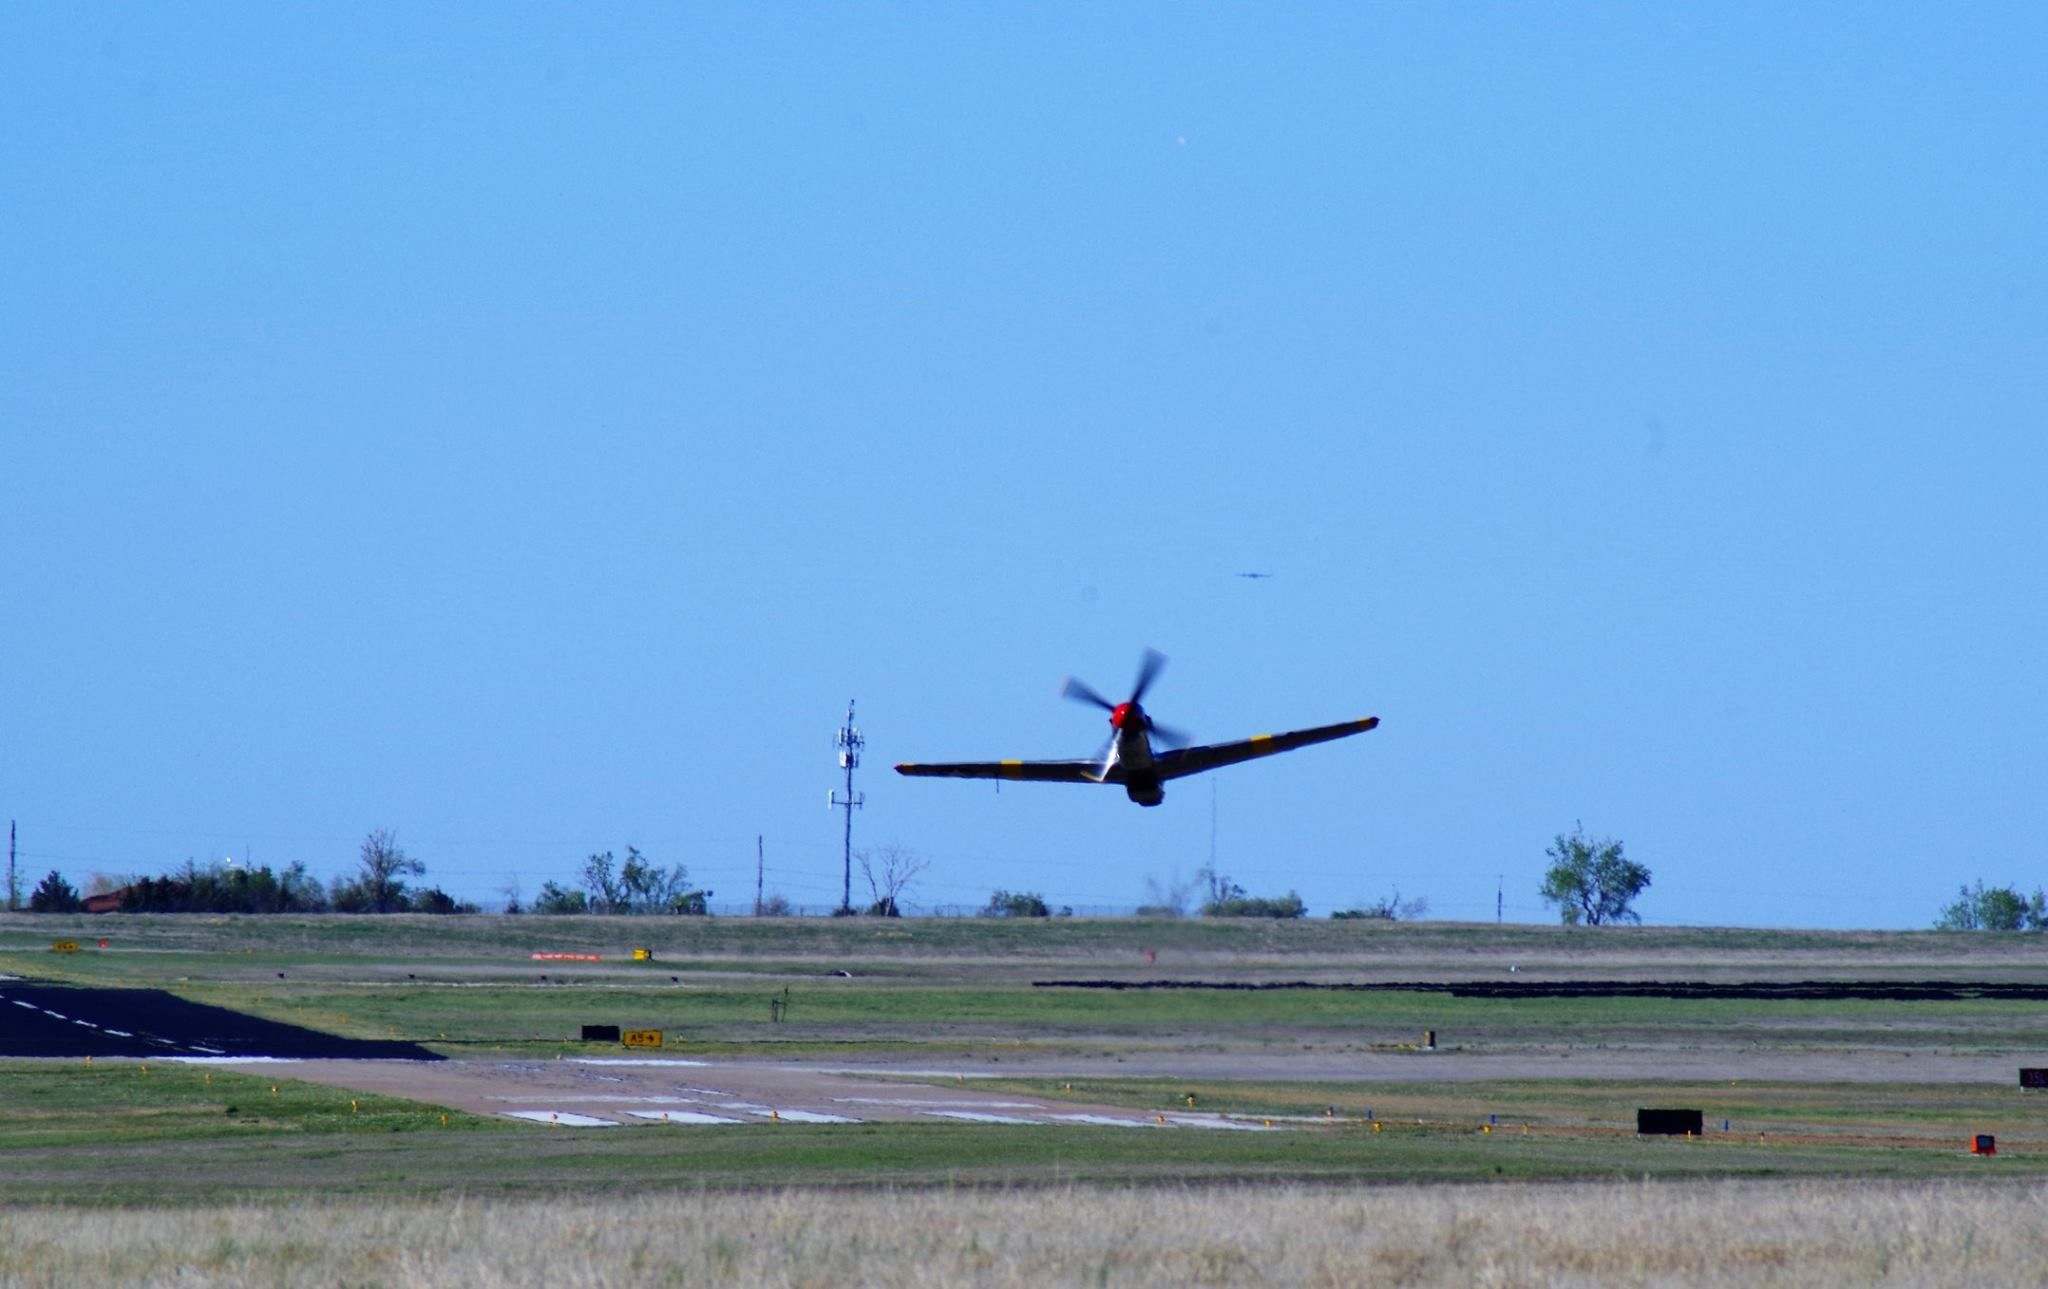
1131	762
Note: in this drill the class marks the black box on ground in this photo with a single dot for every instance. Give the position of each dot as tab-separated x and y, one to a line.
600	1033
1670	1123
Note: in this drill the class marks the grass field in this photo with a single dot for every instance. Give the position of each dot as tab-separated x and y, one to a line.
1706	1234
231	1177
468	982
714	943
180	1134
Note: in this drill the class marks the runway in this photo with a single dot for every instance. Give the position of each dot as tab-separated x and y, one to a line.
64	1021
600	1092
39	1021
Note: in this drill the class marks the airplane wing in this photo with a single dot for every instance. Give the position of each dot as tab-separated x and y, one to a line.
1039	771
1194	760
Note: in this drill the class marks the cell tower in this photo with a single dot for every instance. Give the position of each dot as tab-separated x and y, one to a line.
849	744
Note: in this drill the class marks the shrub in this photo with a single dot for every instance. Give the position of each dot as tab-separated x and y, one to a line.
2000	908
556	899
1392	908
1253	906
435	900
1016	904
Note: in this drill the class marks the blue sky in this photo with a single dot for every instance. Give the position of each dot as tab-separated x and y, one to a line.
525	428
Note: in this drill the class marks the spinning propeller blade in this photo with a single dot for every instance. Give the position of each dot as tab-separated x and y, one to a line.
1167	736
1081	693
1148	671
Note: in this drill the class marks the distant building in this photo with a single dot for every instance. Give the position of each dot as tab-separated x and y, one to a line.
106	901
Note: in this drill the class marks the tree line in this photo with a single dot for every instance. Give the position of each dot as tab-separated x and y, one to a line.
379	884
1591	882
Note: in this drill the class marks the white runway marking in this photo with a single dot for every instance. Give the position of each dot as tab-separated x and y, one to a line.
972	1116
588	1098
120	1033
681	1116
896	1073
940	1101
1182	1121
631	1060
1103	1120
561	1118
229	1060
804	1116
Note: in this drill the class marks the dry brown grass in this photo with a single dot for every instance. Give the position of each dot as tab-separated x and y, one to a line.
1690	1234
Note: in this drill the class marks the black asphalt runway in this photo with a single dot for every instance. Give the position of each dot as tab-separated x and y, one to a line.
59	1020
1825	990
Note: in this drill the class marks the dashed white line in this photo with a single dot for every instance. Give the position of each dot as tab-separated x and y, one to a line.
591	1098
561	1118
973	1116
940	1101
1183	1121
1102	1120
682	1116
803	1116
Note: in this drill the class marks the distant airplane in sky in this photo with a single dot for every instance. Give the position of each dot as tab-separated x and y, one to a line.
1255	576
1129	759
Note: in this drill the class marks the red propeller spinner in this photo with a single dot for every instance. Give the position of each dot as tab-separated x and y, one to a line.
1123	715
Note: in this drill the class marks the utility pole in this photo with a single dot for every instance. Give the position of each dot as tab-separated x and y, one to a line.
1499	884
849	744
13	886
757	874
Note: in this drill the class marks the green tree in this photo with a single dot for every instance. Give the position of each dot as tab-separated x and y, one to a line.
649	889
379	884
226	888
601	880
637	886
1255	906
557	899
1591	882
1226	899
1999	908
1016	904
54	894
432	899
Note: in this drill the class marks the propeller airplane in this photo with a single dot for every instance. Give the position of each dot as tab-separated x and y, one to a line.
1141	754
